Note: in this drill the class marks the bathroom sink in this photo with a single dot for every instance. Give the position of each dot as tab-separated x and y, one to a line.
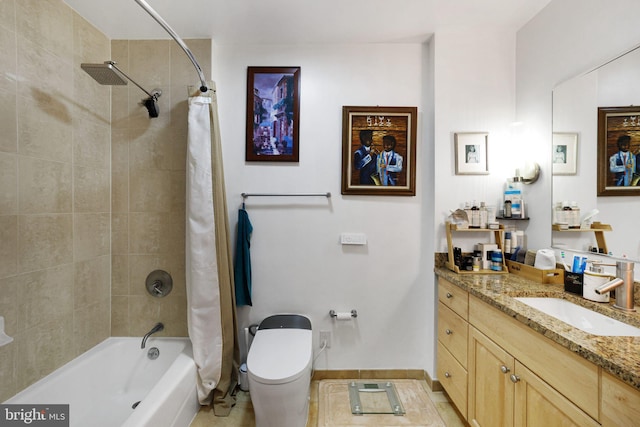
580	317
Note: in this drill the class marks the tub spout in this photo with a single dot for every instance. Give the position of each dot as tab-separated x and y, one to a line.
157	328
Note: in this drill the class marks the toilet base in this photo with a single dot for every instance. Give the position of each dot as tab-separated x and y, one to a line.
281	405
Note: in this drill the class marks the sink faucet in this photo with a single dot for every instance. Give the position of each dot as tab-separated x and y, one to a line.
157	328
624	280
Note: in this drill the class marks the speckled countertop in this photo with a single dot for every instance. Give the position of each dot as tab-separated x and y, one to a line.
619	356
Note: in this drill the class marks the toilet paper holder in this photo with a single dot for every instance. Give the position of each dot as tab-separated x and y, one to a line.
335	314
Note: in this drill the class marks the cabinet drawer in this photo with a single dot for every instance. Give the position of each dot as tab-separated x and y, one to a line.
620	402
457	299
453	332
453	377
573	376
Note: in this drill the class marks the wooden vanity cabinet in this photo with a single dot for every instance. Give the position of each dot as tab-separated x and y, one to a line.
620	402
504	392
451	369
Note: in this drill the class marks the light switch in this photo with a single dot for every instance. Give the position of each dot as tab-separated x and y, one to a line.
353	239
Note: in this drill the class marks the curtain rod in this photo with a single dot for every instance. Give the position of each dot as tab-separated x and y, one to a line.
245	195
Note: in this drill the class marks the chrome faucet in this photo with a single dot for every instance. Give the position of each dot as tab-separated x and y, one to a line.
624	281
157	328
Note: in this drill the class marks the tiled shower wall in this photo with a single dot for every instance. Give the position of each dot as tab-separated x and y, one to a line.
91	189
148	181
54	190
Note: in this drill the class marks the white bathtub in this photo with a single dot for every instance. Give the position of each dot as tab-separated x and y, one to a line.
102	385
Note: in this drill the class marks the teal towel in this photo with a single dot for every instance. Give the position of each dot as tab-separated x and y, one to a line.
242	265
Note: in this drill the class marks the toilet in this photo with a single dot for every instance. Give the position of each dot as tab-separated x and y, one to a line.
279	369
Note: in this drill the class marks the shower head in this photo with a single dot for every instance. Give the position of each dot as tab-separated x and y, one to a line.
106	73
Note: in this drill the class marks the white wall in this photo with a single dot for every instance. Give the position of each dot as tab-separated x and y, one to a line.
566	38
462	80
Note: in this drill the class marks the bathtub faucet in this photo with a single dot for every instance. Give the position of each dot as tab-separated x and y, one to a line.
157	328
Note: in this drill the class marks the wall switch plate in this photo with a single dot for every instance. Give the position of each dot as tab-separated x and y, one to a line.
325	336
353	239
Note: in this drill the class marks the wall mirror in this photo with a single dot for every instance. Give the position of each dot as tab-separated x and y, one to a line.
576	157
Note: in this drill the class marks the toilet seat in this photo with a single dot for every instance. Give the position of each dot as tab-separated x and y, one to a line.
279	356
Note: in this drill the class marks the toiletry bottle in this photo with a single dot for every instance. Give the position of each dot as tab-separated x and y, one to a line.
484	215
507	243
507	209
513	192
467	210
496	261
475	215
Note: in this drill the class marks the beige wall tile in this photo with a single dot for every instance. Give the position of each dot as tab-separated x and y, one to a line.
151	233
8	64
157	191
9	304
44	241
89	44
43	349
44	128
91	235
9	246
119	233
8	184
143	264
45	186
173	314
144	312
47	23
7	14
8	120
8	383
91	143
92	282
120	275
91	325
91	190
42	73
120	316
45	296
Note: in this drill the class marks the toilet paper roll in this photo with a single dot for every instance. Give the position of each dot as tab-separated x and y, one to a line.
343	316
545	259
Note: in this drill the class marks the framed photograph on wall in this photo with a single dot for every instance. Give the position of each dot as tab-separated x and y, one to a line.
273	114
565	153
618	149
471	153
379	150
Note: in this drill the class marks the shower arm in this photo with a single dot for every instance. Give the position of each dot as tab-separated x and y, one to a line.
176	37
153	95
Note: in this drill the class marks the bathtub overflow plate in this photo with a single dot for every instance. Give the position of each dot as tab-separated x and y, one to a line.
153	353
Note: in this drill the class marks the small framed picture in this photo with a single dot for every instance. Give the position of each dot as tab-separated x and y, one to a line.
565	153
273	114
379	150
618	149
471	153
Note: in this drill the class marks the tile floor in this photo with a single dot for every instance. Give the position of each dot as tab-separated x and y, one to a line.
242	413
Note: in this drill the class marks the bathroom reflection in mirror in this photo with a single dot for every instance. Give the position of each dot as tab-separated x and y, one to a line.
575	111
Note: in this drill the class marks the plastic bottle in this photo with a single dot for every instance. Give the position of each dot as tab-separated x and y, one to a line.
513	192
484	215
496	261
475	215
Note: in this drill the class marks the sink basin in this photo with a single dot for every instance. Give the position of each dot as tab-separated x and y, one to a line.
580	317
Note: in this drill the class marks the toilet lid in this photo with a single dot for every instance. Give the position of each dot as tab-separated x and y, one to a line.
279	356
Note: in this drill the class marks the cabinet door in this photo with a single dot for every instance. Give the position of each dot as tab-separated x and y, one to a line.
620	403
540	405
453	378
491	392
453	333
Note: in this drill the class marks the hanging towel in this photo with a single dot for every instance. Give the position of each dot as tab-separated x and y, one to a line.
242	266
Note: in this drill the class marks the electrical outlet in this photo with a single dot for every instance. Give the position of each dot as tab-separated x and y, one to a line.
325	337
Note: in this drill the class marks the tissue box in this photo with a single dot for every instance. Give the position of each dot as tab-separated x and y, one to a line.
573	282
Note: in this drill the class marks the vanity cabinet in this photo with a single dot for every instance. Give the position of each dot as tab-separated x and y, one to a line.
451	369
620	402
507	374
504	392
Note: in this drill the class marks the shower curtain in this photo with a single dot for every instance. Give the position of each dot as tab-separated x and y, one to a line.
209	267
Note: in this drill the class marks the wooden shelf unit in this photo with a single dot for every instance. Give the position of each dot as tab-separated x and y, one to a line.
597	228
450	228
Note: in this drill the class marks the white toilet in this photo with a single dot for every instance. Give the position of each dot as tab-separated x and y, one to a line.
279	368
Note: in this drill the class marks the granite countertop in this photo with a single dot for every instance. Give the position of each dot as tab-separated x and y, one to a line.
619	356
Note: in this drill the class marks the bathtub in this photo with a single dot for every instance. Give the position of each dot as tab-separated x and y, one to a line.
103	385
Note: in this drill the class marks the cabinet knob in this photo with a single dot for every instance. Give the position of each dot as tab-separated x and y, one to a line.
449	295
448	331
447	375
514	378
504	369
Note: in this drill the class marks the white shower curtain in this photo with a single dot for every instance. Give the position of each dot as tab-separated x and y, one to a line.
211	309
